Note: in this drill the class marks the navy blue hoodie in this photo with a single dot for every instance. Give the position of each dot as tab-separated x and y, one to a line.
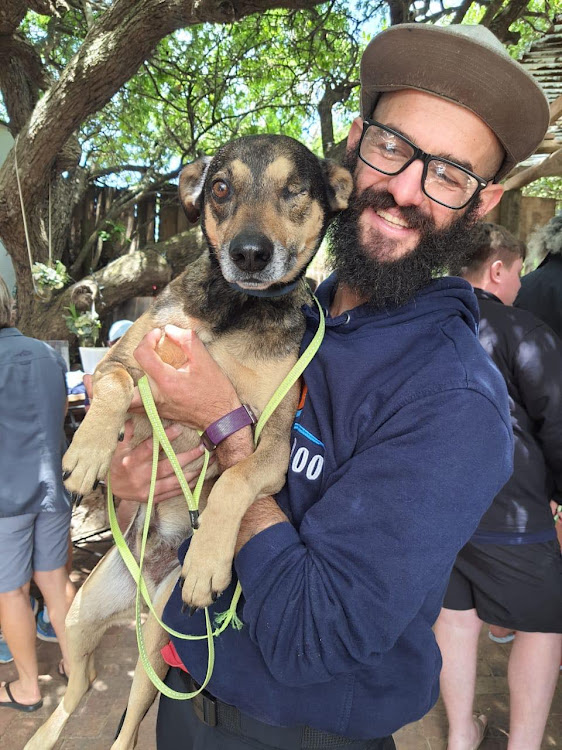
402	440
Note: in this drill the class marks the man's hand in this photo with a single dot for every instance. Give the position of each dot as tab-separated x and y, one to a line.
196	394
262	514
131	468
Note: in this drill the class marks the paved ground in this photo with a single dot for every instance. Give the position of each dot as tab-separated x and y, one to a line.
94	724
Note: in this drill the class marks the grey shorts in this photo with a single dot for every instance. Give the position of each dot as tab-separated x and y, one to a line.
30	542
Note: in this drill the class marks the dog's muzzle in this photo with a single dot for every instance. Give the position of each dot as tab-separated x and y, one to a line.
251	253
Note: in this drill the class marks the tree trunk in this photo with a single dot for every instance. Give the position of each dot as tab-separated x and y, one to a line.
117	43
132	275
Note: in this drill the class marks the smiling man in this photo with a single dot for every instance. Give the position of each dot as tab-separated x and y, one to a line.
402	437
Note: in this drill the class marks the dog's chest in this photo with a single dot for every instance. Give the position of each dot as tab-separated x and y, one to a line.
255	375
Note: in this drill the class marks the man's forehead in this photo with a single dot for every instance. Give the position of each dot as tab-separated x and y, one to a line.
468	140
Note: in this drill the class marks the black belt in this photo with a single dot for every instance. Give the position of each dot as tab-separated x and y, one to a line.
215	713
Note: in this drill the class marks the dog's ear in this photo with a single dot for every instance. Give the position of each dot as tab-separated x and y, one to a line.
192	178
339	184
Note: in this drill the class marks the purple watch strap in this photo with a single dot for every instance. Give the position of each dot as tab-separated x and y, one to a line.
227	425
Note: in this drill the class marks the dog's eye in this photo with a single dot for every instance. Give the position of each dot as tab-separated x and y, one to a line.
220	189
294	191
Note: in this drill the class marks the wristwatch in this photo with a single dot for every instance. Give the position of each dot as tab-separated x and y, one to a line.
227	426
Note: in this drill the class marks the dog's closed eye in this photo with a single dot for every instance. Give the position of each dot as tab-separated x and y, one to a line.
294	191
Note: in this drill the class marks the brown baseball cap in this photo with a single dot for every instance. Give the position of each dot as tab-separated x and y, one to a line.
467	65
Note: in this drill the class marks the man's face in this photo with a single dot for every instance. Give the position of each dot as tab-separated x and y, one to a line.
510	282
393	238
441	128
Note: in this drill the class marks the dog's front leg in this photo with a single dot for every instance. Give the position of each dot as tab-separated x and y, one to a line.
89	456
207	568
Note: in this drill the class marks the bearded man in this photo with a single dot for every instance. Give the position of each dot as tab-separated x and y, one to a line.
402	437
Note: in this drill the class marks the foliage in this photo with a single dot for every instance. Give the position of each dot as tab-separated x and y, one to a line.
290	71
546	187
85	325
533	22
210	84
49	276
113	230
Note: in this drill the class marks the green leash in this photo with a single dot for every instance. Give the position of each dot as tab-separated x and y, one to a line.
160	439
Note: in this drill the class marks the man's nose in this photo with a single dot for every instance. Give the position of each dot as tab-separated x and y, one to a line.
406	187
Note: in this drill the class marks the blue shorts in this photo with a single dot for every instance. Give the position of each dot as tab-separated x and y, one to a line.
30	542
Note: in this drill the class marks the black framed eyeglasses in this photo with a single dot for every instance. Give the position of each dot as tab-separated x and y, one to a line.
444	181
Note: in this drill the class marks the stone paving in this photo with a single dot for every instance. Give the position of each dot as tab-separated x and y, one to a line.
94	724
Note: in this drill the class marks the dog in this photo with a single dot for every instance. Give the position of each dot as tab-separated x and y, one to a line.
264	203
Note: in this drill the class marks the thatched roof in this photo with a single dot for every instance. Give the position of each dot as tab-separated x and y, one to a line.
544	61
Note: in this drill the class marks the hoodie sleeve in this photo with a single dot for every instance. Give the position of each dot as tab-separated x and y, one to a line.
334	595
537	369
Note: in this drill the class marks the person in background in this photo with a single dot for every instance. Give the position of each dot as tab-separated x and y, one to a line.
510	573
118	329
541	290
35	509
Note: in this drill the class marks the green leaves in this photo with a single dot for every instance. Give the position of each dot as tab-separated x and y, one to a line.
85	325
209	84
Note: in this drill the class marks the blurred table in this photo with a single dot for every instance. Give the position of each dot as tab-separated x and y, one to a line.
75	414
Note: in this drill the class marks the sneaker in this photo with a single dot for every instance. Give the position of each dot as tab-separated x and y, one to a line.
501	639
45	630
34	605
5	653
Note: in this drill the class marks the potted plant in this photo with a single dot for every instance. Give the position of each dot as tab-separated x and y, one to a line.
48	278
83	324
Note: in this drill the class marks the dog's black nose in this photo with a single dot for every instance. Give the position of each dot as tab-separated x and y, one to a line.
251	252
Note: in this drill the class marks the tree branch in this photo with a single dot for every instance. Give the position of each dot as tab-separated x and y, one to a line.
550	167
95	175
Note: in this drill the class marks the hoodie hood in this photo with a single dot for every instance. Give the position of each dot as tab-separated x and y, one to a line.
437	301
546	241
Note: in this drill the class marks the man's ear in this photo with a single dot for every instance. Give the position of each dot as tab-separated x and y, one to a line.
339	184
192	179
489	197
354	133
495	271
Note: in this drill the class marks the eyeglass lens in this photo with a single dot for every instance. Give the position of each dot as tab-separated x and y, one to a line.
388	152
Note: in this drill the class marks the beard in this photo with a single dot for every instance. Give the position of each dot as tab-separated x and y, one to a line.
367	267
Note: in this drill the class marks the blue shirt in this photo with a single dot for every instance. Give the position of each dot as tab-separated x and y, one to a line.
399	446
32	408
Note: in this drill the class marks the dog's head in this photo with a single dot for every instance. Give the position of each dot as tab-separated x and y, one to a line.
265	202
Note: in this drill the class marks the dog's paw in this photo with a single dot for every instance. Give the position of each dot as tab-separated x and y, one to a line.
86	462
206	572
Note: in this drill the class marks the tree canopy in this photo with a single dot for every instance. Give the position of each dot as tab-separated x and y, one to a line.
118	94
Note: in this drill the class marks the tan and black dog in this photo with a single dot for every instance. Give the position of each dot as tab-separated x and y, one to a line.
265	203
